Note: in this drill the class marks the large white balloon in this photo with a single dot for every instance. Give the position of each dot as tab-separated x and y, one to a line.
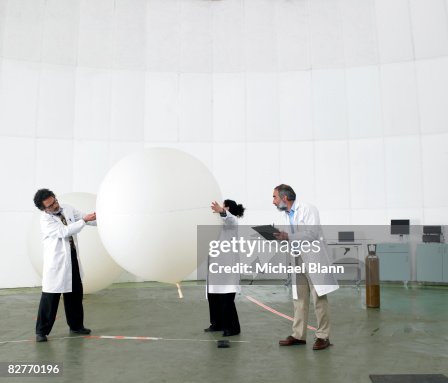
148	209
100	270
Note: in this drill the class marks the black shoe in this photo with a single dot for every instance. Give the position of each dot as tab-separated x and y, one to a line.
41	338
230	333
82	331
212	329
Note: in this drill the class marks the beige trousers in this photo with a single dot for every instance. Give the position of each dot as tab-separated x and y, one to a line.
301	307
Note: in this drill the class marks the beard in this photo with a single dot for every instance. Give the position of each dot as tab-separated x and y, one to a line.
56	212
282	206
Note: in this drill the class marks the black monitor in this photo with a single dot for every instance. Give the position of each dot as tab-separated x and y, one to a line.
399	226
432	229
346	236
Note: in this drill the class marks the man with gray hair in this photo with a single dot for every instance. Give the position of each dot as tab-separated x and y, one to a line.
301	222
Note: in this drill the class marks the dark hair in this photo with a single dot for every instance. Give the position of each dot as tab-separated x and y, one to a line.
286	190
40	196
235	209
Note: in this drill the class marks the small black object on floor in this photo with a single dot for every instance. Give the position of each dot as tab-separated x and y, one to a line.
223	344
409	378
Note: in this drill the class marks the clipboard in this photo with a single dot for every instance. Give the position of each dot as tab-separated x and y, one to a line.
267	231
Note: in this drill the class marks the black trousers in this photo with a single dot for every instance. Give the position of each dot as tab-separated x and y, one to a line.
49	302
223	315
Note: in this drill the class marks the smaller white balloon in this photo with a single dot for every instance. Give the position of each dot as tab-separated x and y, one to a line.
100	270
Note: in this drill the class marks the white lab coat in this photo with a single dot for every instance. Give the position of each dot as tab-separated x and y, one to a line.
225	283
57	270
307	227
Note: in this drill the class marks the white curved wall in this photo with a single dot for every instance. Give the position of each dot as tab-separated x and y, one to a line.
347	100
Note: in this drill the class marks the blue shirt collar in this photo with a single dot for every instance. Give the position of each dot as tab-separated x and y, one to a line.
294	207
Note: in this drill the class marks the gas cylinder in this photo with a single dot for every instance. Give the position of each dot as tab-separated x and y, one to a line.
372	278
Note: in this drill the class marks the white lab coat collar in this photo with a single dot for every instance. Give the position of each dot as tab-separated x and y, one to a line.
294	207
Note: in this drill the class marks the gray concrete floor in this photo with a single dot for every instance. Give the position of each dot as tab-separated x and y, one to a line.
409	334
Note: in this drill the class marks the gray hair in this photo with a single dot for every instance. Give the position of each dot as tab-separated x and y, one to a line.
286	190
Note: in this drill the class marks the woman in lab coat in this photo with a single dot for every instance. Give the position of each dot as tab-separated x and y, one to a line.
222	287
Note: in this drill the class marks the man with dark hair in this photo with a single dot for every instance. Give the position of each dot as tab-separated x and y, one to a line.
62	270
301	222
